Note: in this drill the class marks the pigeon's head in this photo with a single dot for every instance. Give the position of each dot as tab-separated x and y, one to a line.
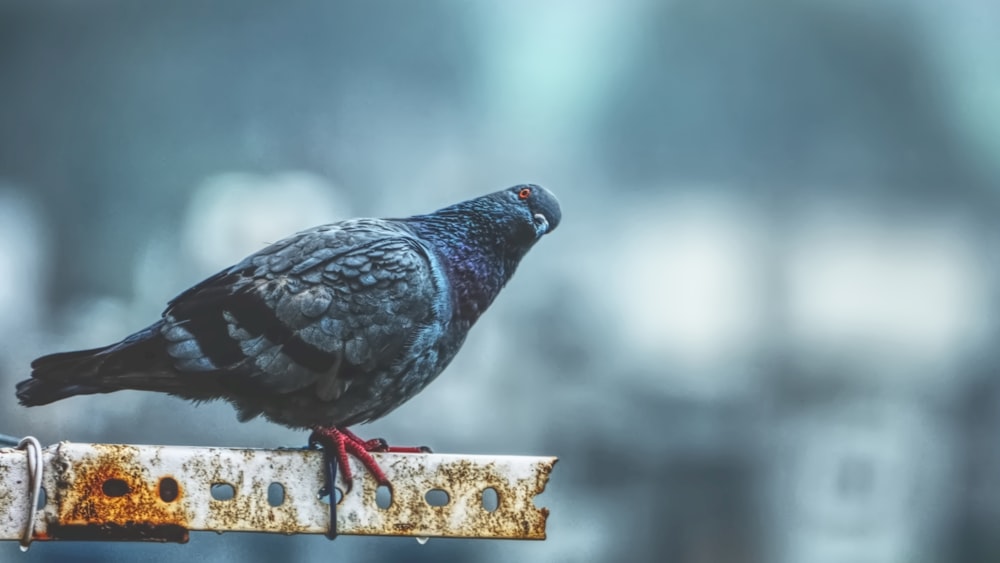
502	225
534	209
484	239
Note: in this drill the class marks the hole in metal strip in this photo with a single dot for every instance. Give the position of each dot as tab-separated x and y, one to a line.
437	497
383	497
168	489
223	491
491	500
42	498
275	494
324	497
115	488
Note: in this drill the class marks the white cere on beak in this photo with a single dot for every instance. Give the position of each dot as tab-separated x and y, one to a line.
541	224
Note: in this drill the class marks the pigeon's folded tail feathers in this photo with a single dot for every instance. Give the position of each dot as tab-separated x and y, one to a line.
53	361
97	370
36	392
58	376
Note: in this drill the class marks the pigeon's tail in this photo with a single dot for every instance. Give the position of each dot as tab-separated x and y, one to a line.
35	392
99	370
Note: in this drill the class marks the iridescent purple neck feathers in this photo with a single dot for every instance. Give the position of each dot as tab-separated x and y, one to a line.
482	241
477	259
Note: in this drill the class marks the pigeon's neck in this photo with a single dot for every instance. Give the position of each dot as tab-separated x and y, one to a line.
477	258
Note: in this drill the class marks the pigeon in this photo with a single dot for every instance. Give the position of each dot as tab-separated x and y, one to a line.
331	327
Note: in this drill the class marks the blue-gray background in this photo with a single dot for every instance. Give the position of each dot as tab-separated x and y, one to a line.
763	332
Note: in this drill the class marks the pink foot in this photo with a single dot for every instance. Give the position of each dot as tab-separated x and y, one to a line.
341	442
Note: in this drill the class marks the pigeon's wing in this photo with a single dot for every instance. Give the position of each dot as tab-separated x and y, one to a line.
319	308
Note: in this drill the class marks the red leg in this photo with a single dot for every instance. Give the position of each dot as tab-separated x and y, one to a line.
337	444
380	445
373	445
341	442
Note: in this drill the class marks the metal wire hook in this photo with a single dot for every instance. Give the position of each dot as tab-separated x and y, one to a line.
33	449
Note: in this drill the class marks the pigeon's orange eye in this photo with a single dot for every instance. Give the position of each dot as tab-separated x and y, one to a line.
524	193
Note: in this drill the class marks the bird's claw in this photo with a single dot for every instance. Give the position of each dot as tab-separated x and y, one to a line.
377	445
408	449
339	444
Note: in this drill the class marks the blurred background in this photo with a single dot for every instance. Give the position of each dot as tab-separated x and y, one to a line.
762	333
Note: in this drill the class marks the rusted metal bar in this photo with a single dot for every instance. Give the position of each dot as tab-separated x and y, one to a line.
160	493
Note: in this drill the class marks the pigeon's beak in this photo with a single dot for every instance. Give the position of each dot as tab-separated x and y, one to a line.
546	211
541	224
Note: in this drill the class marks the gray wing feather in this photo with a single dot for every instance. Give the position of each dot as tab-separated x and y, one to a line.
321	308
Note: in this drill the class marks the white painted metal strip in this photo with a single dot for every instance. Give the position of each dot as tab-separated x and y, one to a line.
159	493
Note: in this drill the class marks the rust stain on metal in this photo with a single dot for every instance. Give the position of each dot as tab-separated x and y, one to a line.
112	496
128	532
